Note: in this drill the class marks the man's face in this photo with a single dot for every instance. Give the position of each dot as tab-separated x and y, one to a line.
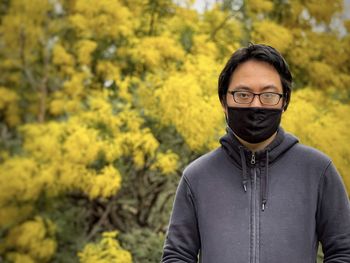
257	77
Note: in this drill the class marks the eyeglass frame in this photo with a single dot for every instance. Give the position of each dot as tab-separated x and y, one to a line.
232	92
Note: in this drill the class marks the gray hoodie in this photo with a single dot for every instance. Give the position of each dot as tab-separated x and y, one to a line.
269	207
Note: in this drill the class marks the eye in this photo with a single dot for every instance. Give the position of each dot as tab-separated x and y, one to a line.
243	94
268	95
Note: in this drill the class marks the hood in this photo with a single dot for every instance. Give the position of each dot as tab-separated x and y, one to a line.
244	158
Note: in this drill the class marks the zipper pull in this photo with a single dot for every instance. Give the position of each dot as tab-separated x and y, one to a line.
244	186
252	161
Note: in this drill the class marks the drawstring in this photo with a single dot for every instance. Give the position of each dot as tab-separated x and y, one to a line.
244	168
265	182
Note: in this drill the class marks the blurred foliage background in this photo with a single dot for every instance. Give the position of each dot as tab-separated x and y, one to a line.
103	103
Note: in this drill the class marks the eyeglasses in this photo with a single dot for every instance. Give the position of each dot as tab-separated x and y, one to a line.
247	97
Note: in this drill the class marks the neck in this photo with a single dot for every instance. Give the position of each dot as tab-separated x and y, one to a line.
254	147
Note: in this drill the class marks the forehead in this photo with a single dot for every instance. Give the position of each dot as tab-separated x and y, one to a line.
255	76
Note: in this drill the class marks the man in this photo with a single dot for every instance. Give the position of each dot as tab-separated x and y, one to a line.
261	196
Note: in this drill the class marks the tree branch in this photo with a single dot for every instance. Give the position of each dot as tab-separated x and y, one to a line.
101	221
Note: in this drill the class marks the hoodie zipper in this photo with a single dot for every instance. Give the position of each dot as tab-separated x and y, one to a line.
254	214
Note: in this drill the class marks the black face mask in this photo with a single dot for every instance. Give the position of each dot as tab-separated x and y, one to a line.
252	124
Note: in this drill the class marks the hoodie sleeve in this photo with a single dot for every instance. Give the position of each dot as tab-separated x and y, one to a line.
182	241
333	217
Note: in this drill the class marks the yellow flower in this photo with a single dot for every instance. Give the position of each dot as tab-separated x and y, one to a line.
61	57
90	16
9	105
259	6
160	51
85	48
166	162
103	184
81	144
278	37
34	239
108	250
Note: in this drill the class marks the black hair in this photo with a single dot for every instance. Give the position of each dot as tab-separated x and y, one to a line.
258	52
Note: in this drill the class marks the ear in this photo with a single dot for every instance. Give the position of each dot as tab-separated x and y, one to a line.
284	107
224	106
286	100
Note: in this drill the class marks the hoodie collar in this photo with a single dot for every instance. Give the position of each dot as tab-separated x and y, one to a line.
244	158
282	143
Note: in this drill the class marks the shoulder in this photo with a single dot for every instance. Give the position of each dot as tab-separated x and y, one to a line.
311	152
298	150
204	163
310	155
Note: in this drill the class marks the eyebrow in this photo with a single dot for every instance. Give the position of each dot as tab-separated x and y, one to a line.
270	87
243	87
